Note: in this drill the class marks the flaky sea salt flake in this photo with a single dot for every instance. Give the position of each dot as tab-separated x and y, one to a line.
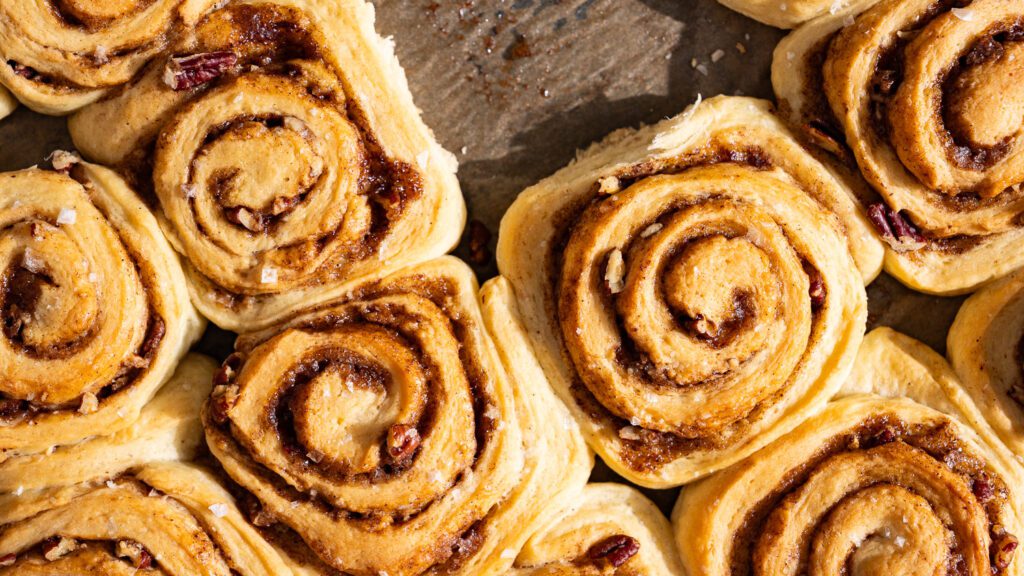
67	216
219	510
965	14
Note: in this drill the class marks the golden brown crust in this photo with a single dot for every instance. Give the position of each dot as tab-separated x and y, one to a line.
785	13
166	518
607	529
381	429
286	155
985	347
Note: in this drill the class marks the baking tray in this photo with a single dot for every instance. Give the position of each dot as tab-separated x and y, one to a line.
515	87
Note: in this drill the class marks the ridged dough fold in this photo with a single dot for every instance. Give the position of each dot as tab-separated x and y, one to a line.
606	529
61	55
382	429
984	346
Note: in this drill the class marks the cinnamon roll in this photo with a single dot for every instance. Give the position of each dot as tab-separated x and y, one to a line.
95	312
60	55
607	529
283	147
686	289
899	475
382	430
926	97
163	518
986	348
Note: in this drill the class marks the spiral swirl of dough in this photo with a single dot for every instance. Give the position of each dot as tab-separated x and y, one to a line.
94	308
291	162
693	304
926	97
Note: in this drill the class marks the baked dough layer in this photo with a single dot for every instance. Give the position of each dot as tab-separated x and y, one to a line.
396	443
784	14
607	528
59	56
984	347
170	517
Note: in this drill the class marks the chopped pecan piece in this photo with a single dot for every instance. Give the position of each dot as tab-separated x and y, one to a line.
615	272
816	289
615	550
822	136
187	72
62	160
1003	549
228	370
897	231
403	439
56	547
25	72
983	488
140	558
884	436
251	221
222	400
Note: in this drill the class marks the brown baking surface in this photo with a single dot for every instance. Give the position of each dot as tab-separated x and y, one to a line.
515	87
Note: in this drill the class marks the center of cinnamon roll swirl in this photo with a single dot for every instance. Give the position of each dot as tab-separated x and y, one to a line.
702	287
695	321
345	403
259	195
48	308
984	98
987	100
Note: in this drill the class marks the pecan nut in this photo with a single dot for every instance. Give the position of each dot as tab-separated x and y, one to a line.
187	72
615	550
56	547
1003	549
895	228
403	439
137	553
